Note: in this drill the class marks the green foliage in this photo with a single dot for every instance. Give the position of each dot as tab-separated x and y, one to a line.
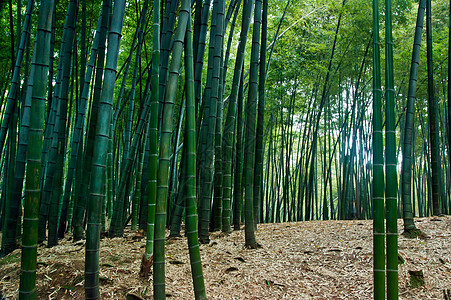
5	44
10	259
416	279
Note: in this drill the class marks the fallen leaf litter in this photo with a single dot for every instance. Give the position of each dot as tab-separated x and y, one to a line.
303	260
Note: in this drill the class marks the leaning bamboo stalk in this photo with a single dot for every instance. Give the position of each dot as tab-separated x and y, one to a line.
406	168
62	120
9	236
77	132
14	88
164	154
190	200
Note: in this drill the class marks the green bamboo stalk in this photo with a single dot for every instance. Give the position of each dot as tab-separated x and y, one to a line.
378	167
175	182
249	140
230	10
54	126
166	43
216	222
118	218
211	96
259	148
77	133
83	167
164	154
9	236
314	147
267	217
196	27
19	23
12	38
109	205
130	151
433	119
205	114
153	141
98	168
32	186
70	24
219	205
144	211
14	88
190	199
127	133
127	66
237	186
4	184
178	205
406	168
138	38
128	125
83	50
443	170
230	39
49	136
229	127
9	180
137	192
391	180
12	211
199	55
48	168
449	98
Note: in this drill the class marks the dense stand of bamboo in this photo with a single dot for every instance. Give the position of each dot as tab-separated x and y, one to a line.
140	122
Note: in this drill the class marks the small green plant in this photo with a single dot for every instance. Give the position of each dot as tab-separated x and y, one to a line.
12	258
416	279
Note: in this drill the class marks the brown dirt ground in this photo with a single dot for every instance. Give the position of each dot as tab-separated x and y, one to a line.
305	260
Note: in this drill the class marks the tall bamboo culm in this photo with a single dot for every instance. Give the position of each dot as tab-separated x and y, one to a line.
249	140
433	118
98	168
259	146
449	96
406	168
378	167
40	65
229	127
190	199
391	179
153	142
164	154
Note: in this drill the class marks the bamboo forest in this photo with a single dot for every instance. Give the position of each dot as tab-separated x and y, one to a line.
225	149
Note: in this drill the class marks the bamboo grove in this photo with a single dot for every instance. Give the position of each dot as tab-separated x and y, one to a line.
149	115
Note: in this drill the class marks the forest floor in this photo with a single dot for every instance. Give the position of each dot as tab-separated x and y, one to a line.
303	260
